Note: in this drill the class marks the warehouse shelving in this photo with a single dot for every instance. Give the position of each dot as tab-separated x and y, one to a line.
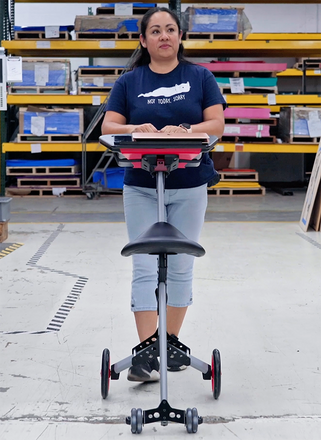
48	99
222	146
62	147
232	99
255	45
114	48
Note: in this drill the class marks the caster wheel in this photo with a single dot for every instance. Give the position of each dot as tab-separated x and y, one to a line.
105	373
216	373
191	420
90	195
136	420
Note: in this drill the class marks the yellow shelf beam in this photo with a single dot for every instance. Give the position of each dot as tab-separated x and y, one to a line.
86	48
46	99
297	72
226	147
61	147
266	148
233	99
258	48
79	48
283	36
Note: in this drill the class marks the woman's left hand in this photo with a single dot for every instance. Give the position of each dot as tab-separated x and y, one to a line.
172	129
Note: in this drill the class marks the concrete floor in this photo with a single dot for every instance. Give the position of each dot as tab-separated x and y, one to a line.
256	298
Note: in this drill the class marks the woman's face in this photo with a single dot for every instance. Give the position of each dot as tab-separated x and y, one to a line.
162	37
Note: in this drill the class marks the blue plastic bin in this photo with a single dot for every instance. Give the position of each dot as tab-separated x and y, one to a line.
113	178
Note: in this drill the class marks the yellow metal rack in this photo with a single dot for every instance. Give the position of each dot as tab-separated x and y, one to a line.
309	45
224	146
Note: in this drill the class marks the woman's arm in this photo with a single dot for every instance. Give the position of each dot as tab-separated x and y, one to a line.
213	121
115	123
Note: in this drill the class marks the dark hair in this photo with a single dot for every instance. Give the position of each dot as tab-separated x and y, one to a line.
141	56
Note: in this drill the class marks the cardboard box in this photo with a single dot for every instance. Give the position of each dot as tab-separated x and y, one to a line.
107	23
3	231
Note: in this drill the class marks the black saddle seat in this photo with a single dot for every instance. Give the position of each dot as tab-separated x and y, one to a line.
163	238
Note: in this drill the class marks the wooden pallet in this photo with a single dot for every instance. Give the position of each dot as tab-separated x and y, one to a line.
42	192
303	140
42	171
235	175
246	69
45	181
251	90
237	189
38	90
83	90
47	138
99	71
98	80
212	36
310	63
245	139
40	35
270	121
107	35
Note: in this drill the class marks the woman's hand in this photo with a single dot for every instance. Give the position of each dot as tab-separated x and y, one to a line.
173	129
116	123
144	128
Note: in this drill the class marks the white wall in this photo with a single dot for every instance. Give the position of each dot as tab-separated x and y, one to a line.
263	17
46	14
284	17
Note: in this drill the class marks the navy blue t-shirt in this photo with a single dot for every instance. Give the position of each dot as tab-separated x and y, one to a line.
143	96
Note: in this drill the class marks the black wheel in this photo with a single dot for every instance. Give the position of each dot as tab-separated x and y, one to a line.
216	373
191	420
90	195
105	373
136	420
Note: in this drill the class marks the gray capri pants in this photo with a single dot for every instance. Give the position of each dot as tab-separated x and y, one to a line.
185	209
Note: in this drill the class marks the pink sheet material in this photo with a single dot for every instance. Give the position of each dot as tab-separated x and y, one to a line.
246	113
251	130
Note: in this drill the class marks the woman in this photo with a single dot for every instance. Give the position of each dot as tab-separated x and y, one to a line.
164	93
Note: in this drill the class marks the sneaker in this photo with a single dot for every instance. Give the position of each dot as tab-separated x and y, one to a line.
173	365
147	372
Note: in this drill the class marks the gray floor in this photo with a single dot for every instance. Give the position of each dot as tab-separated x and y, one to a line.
108	208
256	298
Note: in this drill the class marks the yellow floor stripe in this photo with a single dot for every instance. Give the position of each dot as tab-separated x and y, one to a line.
8	250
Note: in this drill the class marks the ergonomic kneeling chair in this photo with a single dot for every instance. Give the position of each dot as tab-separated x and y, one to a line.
160	154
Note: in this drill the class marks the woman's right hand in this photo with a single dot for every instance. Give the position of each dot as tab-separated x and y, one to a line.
144	128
